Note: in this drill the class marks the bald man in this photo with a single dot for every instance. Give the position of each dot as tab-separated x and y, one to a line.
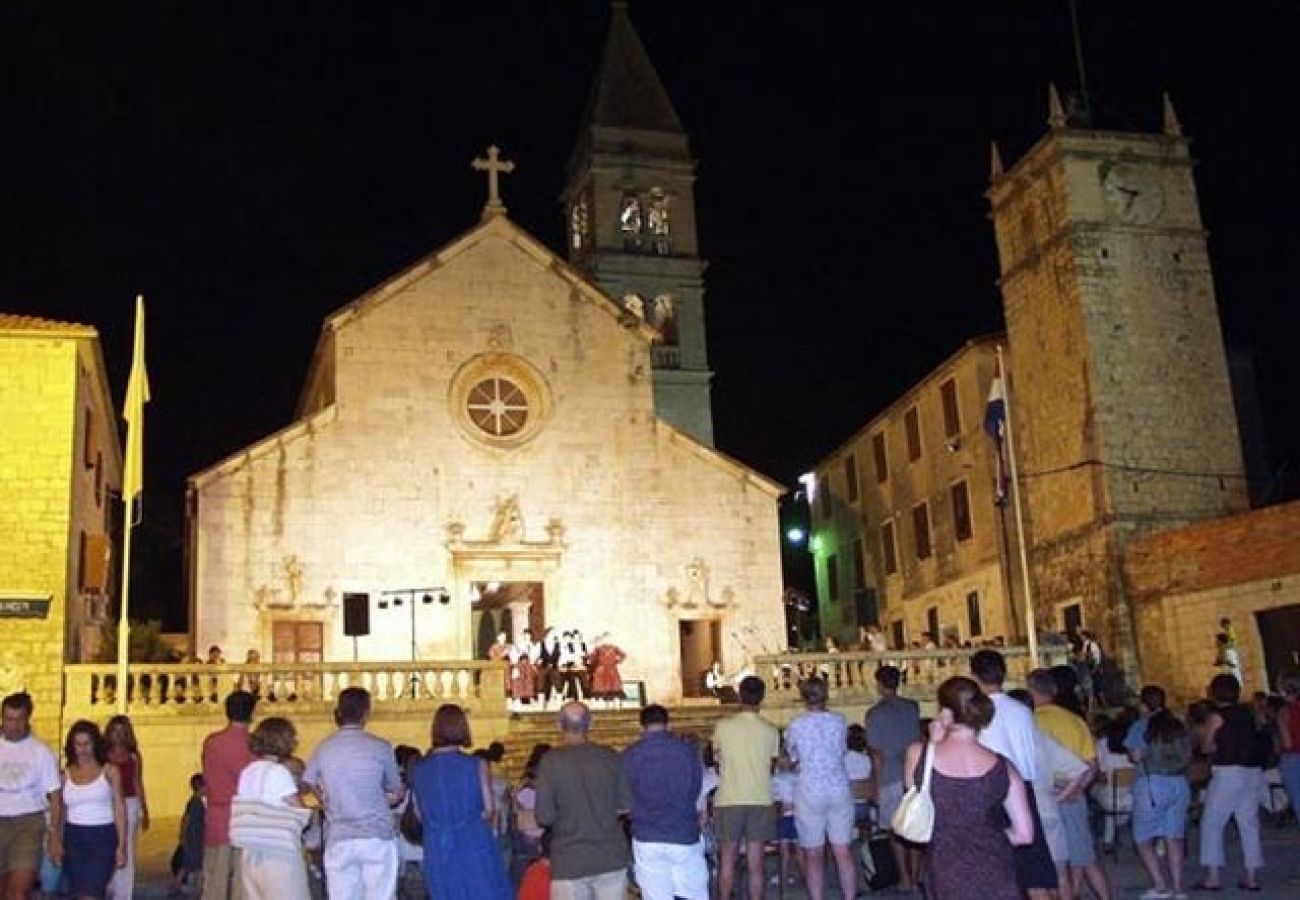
581	794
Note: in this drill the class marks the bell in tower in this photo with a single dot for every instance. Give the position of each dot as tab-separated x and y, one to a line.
630	212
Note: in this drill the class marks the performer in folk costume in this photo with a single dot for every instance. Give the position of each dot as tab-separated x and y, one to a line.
548	665
572	666
523	675
500	652
606	683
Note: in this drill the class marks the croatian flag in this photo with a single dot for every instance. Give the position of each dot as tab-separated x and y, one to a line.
995	423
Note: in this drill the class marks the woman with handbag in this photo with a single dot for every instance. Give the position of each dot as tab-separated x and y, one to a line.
970	792
267	817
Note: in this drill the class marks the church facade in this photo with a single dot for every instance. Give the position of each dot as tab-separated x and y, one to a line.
499	439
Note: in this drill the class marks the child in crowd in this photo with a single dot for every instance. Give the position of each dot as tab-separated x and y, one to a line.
858	765
187	861
787	835
536	883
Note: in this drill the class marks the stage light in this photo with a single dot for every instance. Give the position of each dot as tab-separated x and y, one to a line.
383	604
427	599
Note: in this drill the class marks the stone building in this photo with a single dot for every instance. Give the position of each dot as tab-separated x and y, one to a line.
1122	399
496	439
60	470
1123	409
908	530
1245	568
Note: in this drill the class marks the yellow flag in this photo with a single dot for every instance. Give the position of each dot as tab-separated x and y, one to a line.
137	395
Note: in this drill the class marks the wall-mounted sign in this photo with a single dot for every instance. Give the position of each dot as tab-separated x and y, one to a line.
24	606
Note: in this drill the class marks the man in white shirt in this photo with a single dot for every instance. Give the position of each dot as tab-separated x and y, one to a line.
1013	734
29	778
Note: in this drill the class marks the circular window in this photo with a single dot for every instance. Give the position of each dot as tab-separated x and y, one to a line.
497	406
499	399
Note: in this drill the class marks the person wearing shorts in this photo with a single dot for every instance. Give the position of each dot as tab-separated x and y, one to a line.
29	780
893	724
746	746
823	800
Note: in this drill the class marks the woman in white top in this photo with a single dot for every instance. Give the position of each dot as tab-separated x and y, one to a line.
823	800
88	819
273	865
1112	790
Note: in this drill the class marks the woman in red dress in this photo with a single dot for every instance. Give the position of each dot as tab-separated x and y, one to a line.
606	683
523	675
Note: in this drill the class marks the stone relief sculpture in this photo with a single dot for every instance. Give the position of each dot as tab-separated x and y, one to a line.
293	574
500	337
507	522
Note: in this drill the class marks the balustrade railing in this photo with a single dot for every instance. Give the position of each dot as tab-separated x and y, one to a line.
476	685
851	676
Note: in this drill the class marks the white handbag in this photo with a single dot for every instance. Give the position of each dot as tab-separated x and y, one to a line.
914	819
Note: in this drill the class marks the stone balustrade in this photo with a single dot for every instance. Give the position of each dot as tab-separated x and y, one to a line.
851	675
90	690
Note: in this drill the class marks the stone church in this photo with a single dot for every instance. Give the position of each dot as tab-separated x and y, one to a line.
497	438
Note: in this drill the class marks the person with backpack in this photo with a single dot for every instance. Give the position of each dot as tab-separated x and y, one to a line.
1160	747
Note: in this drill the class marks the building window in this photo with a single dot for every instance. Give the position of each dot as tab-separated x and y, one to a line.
859	566
961	522
951	412
865	606
882	459
88	440
974	627
497	406
888	552
297	642
897	635
833	577
851	478
912	425
921	530
932	623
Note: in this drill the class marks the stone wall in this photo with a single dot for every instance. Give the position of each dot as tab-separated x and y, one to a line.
1184	581
628	525
48	497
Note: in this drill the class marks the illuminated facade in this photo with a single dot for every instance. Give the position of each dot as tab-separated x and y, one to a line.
60	471
906	531
481	430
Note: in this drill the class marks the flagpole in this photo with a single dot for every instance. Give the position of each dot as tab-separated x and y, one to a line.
123	623
1031	629
137	395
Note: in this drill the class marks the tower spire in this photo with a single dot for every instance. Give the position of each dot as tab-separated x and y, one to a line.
995	162
1172	126
1055	111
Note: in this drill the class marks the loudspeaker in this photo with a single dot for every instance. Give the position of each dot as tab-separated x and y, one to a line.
356	615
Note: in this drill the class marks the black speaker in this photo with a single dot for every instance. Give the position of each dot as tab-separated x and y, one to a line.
356	615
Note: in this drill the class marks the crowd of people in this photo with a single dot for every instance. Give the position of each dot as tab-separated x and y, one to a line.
1014	779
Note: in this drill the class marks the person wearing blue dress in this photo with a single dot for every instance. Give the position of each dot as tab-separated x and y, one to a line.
453	797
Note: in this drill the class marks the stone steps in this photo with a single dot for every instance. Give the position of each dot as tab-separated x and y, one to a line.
613	728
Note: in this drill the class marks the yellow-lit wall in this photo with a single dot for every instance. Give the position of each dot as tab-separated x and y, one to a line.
46	384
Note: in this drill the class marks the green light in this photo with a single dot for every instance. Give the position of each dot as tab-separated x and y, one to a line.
816	543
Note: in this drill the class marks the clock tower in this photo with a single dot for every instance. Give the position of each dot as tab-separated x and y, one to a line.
630	215
1123	411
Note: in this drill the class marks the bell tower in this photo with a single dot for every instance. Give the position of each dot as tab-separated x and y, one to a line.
630	215
1124	414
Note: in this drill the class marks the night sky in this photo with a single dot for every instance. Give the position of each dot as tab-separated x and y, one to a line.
252	166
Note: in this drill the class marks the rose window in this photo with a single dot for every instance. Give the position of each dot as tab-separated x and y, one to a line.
498	406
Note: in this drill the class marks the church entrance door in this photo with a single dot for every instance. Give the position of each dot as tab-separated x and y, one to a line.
509	606
1279	632
701	645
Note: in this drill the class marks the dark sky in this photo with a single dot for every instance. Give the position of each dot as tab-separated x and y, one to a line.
252	166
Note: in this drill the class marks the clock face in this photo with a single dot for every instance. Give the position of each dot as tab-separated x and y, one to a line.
1133	196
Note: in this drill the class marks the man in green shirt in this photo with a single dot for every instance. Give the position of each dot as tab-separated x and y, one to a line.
747	746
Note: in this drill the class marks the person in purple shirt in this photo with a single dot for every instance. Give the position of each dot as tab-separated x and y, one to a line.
664	774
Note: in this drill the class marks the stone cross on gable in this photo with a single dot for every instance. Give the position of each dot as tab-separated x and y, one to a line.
494	166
